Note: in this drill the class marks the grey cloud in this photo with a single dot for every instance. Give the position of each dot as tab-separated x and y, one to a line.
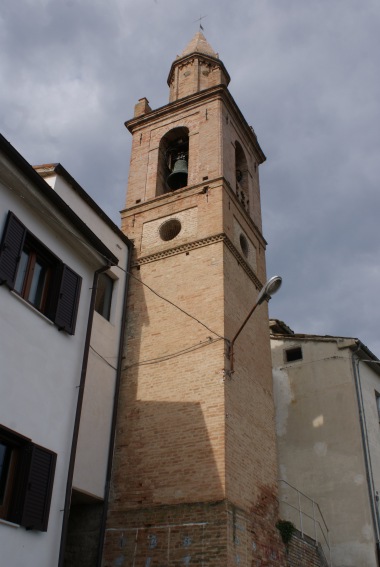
303	73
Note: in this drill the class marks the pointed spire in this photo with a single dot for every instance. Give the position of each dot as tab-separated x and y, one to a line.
199	44
197	68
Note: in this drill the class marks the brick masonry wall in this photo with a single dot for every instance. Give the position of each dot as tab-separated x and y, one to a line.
188	534
302	552
203	534
170	431
194	475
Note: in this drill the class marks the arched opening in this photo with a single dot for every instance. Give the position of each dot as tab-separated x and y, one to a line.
242	184
173	161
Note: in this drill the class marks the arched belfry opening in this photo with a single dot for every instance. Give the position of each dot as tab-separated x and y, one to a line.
173	160
242	181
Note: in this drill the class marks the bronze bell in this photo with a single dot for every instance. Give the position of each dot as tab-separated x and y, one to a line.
178	177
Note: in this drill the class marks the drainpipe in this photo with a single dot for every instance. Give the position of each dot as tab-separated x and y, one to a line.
114	414
74	443
367	455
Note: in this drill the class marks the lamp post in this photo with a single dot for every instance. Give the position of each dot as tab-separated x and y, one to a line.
271	286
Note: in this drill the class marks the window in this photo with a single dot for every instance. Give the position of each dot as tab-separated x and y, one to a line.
38	276
26	480
292	354
244	245
170	229
104	296
242	175
378	404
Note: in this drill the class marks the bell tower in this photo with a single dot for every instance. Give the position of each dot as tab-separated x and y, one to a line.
194	472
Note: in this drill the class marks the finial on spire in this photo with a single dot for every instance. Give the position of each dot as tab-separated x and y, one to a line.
200	21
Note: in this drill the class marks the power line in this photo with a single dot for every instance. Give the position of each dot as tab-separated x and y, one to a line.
176	306
103	358
62	225
174	354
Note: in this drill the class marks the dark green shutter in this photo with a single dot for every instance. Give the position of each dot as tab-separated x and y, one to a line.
39	486
10	250
68	299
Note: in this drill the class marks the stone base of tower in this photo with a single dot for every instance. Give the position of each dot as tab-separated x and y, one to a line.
204	534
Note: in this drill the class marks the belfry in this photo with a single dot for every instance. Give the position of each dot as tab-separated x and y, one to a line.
194	477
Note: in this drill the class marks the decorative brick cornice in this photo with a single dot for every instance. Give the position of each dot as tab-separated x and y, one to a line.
178	250
222	237
248	270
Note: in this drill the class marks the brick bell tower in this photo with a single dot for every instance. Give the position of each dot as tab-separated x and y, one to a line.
194	472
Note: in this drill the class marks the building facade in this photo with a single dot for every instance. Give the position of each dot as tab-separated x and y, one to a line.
57	346
194	475
93	454
327	392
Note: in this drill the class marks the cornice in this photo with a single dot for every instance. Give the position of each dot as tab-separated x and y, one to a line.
248	270
220	91
173	196
222	237
174	106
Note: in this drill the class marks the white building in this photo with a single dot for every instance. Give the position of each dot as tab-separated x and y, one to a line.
59	356
327	392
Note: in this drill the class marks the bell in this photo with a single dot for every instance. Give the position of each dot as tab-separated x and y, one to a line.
178	177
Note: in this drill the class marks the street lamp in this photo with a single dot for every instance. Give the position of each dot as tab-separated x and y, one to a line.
271	287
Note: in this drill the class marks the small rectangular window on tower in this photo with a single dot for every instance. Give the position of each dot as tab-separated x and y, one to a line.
292	354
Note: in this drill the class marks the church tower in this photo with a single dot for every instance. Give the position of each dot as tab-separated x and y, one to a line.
194	472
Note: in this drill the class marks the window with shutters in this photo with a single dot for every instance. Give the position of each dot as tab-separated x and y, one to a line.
38	276
26	480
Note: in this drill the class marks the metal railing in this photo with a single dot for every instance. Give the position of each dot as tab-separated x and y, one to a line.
306	516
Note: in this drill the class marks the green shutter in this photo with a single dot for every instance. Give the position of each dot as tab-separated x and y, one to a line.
10	249
39	486
68	299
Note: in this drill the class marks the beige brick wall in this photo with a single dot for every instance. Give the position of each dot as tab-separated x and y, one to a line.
151	238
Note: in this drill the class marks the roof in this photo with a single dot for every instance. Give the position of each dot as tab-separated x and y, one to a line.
199	44
280	331
47	169
51	196
278	327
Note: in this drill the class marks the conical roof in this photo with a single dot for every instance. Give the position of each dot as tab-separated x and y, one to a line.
199	44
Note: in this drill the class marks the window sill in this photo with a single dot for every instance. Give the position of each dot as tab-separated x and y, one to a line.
10	524
30	306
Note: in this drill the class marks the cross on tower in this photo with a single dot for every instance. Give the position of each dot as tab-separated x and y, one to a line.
200	21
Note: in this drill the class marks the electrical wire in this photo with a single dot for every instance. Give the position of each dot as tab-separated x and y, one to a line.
176	306
174	354
103	358
62	225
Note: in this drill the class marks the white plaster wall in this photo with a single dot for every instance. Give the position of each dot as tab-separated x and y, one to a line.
370	385
319	443
95	427
40	371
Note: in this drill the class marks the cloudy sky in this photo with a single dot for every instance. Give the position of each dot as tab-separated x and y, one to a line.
305	74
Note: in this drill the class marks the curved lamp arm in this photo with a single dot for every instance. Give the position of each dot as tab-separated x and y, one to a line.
271	286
